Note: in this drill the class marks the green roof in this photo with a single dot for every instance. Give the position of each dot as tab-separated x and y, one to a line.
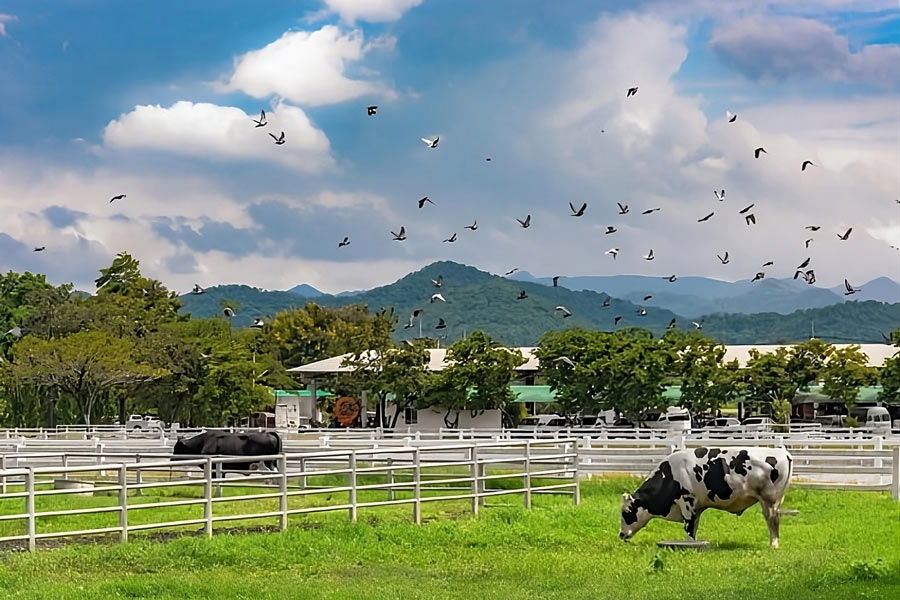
301	393
533	393
867	393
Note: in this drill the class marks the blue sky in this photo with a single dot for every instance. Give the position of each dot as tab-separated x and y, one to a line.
154	100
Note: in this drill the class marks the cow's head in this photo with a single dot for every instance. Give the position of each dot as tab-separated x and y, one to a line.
634	517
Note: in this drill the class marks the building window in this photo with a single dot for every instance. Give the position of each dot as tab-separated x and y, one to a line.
410	416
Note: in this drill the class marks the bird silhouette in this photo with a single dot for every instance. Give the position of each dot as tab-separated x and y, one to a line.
451	239
114	198
431	143
631	91
278	140
522	295
580	211
344	242
806	163
400	236
706	218
526	223
261	121
425	199
723	259
759	151
473	226
845	236
371	110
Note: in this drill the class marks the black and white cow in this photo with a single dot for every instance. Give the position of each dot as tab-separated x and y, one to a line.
224	443
690	481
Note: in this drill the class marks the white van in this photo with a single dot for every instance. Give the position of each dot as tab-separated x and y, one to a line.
676	419
873	418
537	422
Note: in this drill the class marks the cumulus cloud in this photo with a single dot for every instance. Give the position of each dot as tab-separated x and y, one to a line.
222	132
307	68
778	48
374	11
4	19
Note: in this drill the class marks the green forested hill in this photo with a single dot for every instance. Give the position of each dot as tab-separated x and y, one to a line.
479	300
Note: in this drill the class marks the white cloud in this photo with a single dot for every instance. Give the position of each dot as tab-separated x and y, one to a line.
4	19
374	11
307	68
222	132
766	47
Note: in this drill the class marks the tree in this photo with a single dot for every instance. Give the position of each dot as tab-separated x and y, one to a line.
121	276
230	387
774	378
85	366
707	381
477	377
845	372
567	359
632	373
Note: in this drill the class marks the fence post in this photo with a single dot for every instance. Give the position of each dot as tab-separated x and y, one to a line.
353	485
527	473
218	480
123	503
65	464
895	473
576	491
283	499
391	478
3	479
417	486
29	507
208	495
473	457
303	470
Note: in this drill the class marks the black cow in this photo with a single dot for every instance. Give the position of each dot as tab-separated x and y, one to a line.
223	443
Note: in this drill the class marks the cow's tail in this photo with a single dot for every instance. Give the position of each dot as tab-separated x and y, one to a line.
273	465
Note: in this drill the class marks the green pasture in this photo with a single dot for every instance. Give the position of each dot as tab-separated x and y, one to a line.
841	545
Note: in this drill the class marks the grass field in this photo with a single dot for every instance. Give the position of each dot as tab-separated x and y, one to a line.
842	545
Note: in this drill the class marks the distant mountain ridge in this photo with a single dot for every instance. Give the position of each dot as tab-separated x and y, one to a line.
479	300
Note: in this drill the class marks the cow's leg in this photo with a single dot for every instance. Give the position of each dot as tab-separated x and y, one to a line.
773	519
691	523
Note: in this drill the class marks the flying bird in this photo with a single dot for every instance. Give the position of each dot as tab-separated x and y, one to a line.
15	332
671	278
697	324
649	210
565	360
759	151
650	255
566	313
473	226
197	289
451	239
849	288
750	219
526	223
258	323
344	242
488	159
40	248
706	218
607	301
371	110
399	237
758	276
810	277
723	259
744	210
768	264
261	121
845	236
720	195
556	281
438	282
522	295
642	312
647	297
278	140
732	117
671	324
807	242
804	264
614	252
441	324
617	319
580	211
431	143
228	312
114	198
631	91
623	208
813	227
806	163
425	199
437	296
511	271
610	229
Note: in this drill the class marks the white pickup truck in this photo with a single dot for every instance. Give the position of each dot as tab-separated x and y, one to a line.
143	423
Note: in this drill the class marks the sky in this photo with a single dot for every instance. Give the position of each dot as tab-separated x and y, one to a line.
157	100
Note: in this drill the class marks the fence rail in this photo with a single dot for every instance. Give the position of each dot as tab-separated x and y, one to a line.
358	478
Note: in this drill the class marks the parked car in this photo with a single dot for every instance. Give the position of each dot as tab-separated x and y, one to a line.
873	418
675	419
830	421
144	423
757	424
536	422
723	423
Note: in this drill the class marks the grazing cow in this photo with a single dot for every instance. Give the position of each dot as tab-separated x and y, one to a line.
231	444
690	481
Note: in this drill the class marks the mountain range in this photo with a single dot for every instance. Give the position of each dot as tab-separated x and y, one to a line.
479	300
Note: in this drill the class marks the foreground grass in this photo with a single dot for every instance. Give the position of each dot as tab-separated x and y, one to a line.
842	545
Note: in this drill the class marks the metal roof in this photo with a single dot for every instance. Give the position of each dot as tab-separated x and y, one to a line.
877	353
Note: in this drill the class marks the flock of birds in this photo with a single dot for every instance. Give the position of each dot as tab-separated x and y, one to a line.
802	271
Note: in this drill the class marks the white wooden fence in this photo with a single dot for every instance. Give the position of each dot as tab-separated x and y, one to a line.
468	471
